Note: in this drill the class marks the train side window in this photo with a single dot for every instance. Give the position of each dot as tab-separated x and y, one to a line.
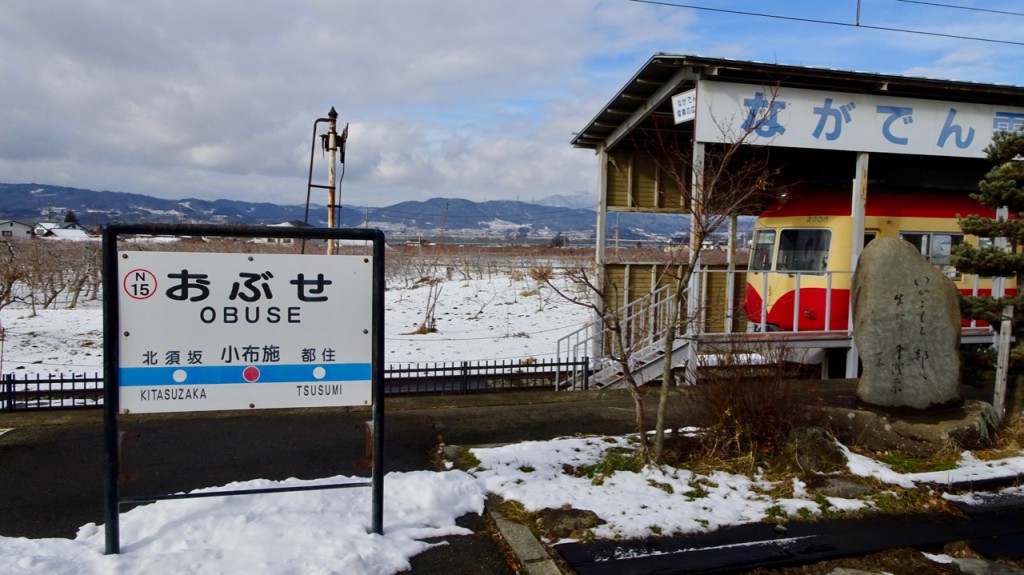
804	250
936	248
764	248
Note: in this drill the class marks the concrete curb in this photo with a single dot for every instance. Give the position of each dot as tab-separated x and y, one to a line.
529	552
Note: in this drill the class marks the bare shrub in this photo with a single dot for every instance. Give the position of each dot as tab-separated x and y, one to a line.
429	323
13	270
541	275
747	402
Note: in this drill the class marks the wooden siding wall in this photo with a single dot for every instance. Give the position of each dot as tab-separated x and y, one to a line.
718	289
635	183
630	282
619	180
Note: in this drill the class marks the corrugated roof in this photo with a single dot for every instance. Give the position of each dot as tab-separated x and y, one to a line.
664	75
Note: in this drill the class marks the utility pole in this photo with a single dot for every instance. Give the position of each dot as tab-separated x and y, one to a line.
334	144
332	172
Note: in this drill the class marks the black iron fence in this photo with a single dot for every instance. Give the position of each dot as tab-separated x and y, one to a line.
78	391
462	377
62	391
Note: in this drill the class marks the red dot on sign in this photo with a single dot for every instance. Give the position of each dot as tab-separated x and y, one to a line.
251	373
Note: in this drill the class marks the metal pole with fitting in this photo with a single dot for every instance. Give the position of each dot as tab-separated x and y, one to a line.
334	144
331	144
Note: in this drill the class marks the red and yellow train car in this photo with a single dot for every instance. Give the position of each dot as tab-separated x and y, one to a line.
801	249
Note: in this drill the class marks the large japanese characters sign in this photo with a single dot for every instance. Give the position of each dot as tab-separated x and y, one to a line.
792	117
215	331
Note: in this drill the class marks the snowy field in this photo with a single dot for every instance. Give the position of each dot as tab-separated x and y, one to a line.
327	532
502	317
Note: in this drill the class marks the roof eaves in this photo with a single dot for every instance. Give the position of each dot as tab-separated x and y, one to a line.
662	66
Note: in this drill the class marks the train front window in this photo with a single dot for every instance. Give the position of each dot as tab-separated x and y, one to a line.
764	247
804	250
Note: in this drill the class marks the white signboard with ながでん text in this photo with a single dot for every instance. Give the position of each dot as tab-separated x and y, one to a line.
832	120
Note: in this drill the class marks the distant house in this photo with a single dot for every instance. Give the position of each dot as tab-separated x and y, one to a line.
282	241
64	231
10	229
74	226
43	228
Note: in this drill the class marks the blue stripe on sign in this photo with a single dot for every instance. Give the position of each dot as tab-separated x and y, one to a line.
215	374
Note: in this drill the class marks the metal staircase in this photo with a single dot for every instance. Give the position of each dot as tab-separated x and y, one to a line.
646	364
642	326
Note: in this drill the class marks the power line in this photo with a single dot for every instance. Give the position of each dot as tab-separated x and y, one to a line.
828	22
971	8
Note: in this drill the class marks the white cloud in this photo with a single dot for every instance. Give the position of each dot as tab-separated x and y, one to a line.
471	98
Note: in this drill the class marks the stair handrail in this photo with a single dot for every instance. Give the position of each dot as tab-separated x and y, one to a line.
644	322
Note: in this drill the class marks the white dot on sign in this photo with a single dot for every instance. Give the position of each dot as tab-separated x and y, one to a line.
319	372
180	375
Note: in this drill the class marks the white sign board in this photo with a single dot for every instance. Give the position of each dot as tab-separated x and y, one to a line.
792	117
205	331
684	106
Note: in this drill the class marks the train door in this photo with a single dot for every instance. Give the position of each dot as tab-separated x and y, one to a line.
763	253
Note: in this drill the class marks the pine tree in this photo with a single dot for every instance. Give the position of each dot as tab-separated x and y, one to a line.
1002	186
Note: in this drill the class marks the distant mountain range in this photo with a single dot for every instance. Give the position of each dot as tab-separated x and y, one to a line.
581	201
570	216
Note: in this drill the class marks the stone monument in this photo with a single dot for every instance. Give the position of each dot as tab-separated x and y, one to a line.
906	324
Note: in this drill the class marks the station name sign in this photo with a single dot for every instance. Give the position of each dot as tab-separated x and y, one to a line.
218	331
833	120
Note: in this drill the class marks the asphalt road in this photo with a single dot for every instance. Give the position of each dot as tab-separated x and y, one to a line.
995	530
53	463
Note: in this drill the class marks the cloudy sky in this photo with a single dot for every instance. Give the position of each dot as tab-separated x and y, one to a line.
456	98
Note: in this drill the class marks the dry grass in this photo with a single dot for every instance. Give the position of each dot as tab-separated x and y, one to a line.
747	409
1009	441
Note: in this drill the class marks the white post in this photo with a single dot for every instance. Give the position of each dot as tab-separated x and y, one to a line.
693	296
999	283
1002	362
730	286
696	196
597	344
858	210
1005	326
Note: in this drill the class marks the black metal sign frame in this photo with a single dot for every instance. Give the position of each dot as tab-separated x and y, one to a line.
111	361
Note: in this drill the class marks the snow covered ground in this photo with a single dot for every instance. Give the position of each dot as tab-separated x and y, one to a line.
497	318
321	532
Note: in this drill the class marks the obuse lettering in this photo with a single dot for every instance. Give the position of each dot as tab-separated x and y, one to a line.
250	314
